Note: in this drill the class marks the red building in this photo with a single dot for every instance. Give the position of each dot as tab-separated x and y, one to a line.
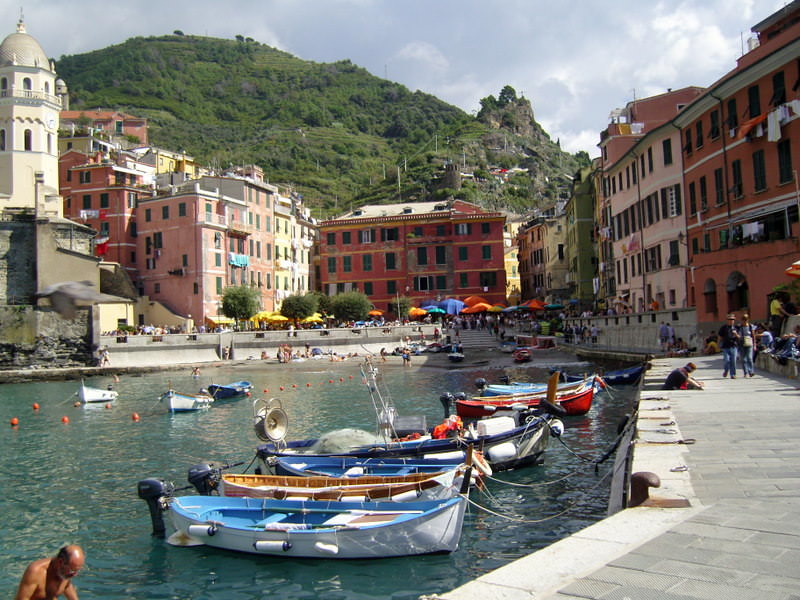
740	151
423	250
103	193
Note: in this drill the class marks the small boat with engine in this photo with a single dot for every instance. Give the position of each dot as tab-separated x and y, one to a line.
177	402
88	395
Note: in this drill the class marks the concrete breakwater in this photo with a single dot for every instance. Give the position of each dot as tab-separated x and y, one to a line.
167	349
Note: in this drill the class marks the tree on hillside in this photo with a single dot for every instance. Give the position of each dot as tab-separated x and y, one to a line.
507	95
351	306
240	302
297	307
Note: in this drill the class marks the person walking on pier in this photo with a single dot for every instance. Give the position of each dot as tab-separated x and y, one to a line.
748	341
729	342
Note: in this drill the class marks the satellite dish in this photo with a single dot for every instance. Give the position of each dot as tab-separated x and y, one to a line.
270	421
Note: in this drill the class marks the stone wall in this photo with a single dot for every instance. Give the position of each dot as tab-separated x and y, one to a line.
17	260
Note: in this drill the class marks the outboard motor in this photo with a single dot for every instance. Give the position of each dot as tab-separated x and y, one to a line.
480	384
204	478
155	493
504	379
447	402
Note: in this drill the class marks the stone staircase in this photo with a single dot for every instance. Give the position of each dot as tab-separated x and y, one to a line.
474	339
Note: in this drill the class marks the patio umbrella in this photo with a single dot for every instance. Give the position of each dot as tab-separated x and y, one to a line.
375	313
794	269
534	304
434	310
476	308
415	311
511	309
261	315
452	306
496	308
276	317
472	300
553	306
315	318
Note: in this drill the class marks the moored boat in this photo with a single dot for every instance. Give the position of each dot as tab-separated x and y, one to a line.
342	466
229	391
177	402
577	402
627	376
508	389
88	394
401	488
318	529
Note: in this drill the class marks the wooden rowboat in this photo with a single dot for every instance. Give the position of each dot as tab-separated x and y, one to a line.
88	394
177	402
402	488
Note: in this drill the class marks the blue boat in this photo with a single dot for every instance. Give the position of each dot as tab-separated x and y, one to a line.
333	466
628	376
237	389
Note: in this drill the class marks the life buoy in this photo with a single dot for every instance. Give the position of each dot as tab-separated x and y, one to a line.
480	462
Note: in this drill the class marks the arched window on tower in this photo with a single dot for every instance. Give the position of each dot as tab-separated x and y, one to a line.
47	87
49	143
3	87
27	84
28	139
2	140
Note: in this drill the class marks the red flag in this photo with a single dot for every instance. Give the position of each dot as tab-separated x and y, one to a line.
101	246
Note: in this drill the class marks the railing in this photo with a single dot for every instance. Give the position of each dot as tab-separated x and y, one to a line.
30	95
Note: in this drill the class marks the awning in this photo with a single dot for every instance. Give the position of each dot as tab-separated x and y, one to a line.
220	320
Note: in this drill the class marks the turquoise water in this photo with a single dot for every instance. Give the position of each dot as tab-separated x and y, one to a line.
76	483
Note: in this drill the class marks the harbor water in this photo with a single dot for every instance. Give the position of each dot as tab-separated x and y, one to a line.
75	481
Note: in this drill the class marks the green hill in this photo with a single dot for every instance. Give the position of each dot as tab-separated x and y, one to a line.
340	135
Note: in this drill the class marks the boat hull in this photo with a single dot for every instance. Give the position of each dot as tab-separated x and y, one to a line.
403	488
341	530
578	403
230	391
177	402
88	395
336	466
524	445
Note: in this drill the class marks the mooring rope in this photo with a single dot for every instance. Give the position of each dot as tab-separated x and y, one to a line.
508	517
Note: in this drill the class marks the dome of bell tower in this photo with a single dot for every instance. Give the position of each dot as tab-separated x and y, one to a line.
22	49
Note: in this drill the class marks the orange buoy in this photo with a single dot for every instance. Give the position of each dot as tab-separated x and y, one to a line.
281	388
35	406
341	378
266	391
351	376
308	385
14	421
65	419
108	404
247	394
294	385
135	417
330	380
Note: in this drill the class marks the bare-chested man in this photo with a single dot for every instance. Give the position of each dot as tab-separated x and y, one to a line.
49	578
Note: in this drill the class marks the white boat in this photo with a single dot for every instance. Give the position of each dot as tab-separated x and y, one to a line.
88	394
318	529
177	402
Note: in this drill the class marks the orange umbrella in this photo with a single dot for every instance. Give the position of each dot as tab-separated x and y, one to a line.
472	300
794	269
375	313
476	308
534	304
415	311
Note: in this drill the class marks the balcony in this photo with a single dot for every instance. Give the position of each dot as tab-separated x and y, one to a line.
239	228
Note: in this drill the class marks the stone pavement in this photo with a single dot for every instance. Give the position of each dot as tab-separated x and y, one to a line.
732	453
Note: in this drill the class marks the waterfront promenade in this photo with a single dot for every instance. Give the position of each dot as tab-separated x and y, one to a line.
728	458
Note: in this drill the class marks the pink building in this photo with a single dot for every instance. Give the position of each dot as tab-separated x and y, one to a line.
642	203
212	233
114	123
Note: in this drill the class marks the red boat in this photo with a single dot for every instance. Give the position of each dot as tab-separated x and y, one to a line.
574	403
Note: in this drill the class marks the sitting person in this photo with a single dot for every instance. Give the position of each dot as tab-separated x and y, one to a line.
712	344
681	379
680	348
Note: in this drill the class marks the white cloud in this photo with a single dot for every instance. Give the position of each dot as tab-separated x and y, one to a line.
575	60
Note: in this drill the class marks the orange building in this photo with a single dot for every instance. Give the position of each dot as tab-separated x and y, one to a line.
740	154
114	123
422	250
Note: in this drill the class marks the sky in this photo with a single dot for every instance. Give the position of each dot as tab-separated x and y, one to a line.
575	60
